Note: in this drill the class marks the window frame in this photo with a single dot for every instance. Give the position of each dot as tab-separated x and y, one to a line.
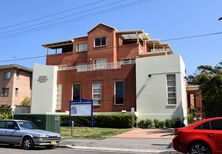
73	92
115	92
5	75
59	100
81	43
101	45
3	93
171	92
101	88
98	66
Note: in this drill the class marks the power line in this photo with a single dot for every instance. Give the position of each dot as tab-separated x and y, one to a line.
32	9
20	59
193	36
93	14
51	15
63	17
172	39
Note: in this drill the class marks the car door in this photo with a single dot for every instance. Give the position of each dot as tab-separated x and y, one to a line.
12	132
216	134
2	131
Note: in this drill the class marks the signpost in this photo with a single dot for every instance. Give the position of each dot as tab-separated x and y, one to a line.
81	107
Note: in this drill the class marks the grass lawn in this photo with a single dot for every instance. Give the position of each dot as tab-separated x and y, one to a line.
87	132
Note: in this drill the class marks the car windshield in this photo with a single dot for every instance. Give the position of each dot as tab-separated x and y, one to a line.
26	125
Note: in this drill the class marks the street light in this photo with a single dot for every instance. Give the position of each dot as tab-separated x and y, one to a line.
220	18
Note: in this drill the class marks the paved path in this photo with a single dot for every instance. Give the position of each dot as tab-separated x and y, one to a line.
148	133
135	141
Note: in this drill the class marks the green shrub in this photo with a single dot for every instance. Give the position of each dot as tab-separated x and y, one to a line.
145	123
158	123
102	120
5	112
168	123
190	118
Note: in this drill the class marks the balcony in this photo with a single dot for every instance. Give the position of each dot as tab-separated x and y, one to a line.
94	67
155	52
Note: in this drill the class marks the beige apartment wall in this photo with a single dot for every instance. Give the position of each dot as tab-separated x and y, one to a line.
23	83
6	84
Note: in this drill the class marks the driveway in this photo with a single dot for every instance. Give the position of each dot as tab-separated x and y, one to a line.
148	134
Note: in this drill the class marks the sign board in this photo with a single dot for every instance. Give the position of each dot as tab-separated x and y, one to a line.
81	107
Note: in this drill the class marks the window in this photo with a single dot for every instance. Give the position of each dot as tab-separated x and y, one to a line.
128	61
100	41
59	97
5	92
171	88
81	67
119	92
11	125
17	74
16	91
7	75
100	63
76	91
2	124
81	47
216	124
205	125
96	93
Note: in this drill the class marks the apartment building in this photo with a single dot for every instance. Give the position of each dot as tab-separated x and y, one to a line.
15	84
115	69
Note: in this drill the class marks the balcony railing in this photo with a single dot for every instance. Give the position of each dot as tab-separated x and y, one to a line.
94	67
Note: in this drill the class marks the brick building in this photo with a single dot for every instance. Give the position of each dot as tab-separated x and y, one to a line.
15	84
113	68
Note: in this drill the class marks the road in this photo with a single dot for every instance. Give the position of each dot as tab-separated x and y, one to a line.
18	150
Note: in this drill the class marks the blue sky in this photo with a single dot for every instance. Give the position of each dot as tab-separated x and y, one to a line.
161	19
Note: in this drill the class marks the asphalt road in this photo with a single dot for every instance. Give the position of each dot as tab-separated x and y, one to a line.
39	150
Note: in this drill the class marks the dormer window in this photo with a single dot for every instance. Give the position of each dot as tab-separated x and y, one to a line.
100	41
81	47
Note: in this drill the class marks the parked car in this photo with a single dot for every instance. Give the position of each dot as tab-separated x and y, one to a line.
203	137
26	134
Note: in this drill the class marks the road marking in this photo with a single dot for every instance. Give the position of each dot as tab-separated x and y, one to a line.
119	149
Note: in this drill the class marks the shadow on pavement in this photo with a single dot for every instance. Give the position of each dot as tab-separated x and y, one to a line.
19	147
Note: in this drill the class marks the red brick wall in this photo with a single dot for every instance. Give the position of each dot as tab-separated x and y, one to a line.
107	78
103	51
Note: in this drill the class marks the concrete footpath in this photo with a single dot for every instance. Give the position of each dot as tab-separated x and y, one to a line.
134	141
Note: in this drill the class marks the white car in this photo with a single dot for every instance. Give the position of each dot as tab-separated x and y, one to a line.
26	134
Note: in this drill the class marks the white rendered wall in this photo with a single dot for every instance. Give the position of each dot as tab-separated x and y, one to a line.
151	92
44	89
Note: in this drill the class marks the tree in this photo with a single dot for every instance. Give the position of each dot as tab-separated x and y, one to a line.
210	80
5	112
26	101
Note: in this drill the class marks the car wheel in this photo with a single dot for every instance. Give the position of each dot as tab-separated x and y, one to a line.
50	146
199	147
27	143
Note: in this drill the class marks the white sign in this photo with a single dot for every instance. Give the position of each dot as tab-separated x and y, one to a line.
81	109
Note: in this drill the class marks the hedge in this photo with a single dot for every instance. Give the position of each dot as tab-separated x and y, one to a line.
102	120
168	123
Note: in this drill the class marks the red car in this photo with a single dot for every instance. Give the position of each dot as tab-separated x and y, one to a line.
202	137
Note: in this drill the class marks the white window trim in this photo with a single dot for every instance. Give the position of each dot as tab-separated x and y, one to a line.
95	64
97	93
100	41
167	92
115	92
79	44
59	103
